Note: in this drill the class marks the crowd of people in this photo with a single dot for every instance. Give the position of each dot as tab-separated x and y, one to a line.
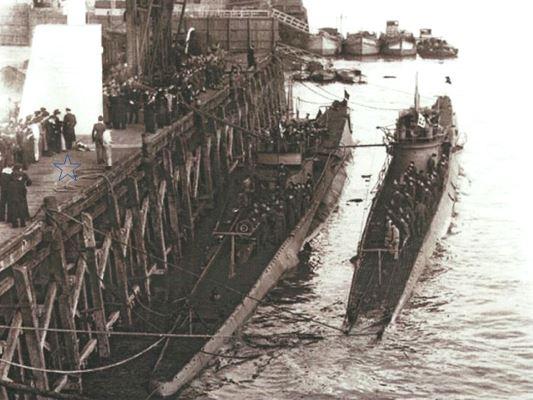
293	136
271	213
125	97
412	202
23	142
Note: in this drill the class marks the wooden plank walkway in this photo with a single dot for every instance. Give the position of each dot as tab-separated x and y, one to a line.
45	177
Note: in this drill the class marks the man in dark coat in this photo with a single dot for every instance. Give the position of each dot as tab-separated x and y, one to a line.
69	123
161	105
251	57
114	108
5	178
149	114
56	132
17	203
121	113
50	127
98	139
133	106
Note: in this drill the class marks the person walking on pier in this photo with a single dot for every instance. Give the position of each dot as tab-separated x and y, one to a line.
106	144
98	139
17	203
69	133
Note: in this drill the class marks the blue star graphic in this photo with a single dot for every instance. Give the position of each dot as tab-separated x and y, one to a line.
70	168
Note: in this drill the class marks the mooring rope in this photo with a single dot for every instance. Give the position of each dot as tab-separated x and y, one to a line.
350	102
86	370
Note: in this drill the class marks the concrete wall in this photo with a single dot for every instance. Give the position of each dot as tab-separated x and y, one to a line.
18	22
236	34
14	23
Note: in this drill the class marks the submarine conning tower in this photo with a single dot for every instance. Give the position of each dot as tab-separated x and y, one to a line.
420	133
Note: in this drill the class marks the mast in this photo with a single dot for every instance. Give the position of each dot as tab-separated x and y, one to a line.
132	37
417	95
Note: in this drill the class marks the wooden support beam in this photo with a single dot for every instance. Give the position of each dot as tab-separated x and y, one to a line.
48	309
184	187
99	317
87	350
144	214
196	171
157	192
57	267
126	230
206	159
141	259
78	283
6	284
217	181
119	260
173	205
103	255
60	383
11	344
28	310
113	318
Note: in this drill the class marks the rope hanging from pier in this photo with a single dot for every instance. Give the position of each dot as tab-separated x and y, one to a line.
48	394
221	284
87	370
328	97
172	335
221	120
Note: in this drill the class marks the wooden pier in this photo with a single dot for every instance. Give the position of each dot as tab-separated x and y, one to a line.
98	251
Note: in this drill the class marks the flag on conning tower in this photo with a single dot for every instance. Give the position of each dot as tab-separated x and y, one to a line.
346	95
421	120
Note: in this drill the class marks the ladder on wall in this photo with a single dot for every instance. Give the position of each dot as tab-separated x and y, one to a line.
289	20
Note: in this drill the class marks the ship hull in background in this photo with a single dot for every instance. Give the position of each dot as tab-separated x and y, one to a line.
323	45
361	46
398	47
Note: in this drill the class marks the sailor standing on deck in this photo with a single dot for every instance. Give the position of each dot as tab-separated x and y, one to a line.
392	239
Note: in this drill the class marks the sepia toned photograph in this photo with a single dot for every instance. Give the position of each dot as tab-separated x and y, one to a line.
265	200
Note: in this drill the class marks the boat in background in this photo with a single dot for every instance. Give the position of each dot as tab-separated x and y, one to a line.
325	42
397	43
429	46
361	44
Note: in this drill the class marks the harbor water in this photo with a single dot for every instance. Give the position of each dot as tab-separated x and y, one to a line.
466	333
